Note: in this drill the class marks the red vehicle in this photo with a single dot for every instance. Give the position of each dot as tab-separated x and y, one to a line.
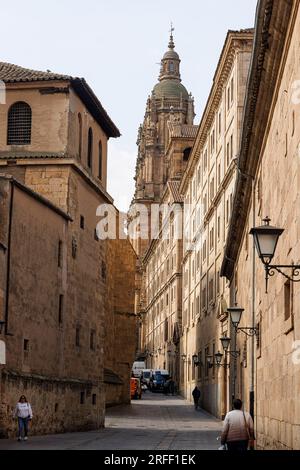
135	388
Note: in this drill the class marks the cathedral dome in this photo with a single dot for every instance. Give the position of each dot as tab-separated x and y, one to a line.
171	54
169	85
170	88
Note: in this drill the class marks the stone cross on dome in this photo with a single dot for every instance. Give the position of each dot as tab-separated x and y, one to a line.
171	43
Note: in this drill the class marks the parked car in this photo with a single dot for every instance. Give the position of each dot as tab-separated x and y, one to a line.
135	388
157	379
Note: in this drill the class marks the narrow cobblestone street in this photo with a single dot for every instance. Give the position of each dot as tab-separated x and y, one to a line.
154	423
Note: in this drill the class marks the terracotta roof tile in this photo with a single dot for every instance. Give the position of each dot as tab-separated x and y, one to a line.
183	130
174	190
10	73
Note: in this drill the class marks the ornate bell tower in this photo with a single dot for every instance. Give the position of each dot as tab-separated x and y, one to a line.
168	103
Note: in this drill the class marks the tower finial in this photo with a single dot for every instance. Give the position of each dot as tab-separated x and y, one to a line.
171	42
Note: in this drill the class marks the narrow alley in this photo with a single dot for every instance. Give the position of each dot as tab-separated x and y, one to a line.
155	422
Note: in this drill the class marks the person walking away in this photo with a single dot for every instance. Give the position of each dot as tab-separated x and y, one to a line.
238	428
23	412
171	386
196	395
166	387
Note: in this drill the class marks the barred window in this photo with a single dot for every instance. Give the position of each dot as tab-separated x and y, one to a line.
100	160
80	135
90	148
19	124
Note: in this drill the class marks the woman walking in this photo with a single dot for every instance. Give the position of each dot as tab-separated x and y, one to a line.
23	412
238	429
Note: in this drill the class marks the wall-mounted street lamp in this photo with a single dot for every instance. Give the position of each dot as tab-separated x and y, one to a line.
196	361
210	361
225	341
218	361
149	353
235	317
266	239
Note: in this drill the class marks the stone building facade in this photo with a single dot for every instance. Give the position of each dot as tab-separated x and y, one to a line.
120	325
162	264
207	188
268	185
164	143
53	140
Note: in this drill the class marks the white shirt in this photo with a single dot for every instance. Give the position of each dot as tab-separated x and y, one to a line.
23	410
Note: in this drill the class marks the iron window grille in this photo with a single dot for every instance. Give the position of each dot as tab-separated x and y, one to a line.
19	124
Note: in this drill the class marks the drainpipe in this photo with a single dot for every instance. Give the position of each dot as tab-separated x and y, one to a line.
233	334
6	314
251	397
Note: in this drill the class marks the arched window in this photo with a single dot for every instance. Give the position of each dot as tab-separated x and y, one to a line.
186	154
90	148
79	135
100	160
19	124
171	67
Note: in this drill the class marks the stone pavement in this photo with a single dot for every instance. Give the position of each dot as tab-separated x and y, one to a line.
156	423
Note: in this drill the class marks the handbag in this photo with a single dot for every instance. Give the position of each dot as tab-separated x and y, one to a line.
250	438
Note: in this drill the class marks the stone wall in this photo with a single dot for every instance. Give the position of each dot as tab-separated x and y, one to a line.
62	379
121	321
55	404
277	384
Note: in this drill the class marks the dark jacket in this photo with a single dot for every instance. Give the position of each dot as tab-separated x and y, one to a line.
196	393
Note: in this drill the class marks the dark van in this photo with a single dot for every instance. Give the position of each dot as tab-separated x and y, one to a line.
158	379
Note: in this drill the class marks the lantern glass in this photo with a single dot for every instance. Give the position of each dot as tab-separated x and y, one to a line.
209	359
266	244
218	357
235	315
266	239
195	358
225	342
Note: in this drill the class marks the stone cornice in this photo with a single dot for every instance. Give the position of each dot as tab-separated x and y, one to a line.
61	381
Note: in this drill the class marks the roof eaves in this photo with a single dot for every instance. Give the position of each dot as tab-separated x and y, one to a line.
87	95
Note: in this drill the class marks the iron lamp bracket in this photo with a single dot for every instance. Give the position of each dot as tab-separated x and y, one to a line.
272	268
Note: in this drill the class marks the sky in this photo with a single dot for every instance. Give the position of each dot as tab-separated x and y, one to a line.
117	45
